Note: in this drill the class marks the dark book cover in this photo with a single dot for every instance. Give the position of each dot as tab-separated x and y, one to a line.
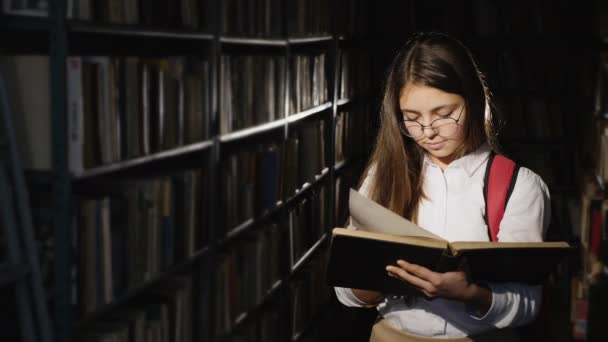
361	263
528	263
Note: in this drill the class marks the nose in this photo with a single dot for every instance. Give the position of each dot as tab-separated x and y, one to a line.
429	132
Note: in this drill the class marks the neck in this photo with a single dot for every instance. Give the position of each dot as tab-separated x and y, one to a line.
442	162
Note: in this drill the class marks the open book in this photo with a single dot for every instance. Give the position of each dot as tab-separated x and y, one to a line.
358	257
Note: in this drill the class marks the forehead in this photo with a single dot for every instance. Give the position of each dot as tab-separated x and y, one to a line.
424	98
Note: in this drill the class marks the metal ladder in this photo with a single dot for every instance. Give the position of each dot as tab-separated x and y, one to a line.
21	267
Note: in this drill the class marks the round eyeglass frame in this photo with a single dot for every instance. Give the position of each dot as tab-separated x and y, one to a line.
407	132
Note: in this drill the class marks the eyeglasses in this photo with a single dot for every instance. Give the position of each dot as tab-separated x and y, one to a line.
444	127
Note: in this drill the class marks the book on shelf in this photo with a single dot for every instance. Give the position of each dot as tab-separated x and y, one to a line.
127	238
247	269
309	17
312	150
306	223
252	89
252	18
308	294
123	108
161	312
387	237
252	183
309	85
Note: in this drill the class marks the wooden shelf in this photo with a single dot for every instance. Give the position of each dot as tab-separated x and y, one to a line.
346	164
310	40
344	102
308	255
251	223
269	127
307	114
252	131
340	165
255	42
161	157
136	31
245	317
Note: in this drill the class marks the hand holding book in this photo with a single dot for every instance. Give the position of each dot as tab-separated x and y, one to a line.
455	285
377	236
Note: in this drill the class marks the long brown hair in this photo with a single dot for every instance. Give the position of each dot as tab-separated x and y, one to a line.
438	61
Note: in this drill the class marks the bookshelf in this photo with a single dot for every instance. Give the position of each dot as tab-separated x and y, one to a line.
206	216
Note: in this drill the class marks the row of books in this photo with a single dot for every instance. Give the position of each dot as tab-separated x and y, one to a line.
158	13
245	274
599	122
308	82
589	288
602	152
306	223
121	108
311	17
253	88
260	18
253	91
263	18
309	293
530	117
163	313
125	239
255	180
349	134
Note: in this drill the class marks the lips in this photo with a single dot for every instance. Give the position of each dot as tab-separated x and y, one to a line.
436	145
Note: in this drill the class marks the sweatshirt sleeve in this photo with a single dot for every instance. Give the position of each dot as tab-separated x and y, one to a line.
525	220
345	295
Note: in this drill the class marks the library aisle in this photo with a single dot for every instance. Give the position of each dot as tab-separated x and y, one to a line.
187	160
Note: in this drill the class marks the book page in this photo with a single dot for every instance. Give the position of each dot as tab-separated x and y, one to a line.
460	246
372	217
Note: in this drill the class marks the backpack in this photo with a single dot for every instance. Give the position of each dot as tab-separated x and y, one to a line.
499	180
500	177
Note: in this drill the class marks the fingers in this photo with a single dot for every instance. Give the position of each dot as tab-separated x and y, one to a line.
419	271
421	277
404	275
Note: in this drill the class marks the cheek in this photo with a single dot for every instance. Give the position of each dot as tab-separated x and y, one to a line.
460	133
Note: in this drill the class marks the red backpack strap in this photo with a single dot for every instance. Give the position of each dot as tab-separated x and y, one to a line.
500	177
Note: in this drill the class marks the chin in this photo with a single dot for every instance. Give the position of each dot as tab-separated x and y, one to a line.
446	152
440	153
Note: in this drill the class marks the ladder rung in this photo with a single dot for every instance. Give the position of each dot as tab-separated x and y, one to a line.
11	273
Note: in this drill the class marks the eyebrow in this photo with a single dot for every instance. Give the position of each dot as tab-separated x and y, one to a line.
432	110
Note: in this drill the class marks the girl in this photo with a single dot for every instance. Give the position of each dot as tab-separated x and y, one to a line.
428	165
